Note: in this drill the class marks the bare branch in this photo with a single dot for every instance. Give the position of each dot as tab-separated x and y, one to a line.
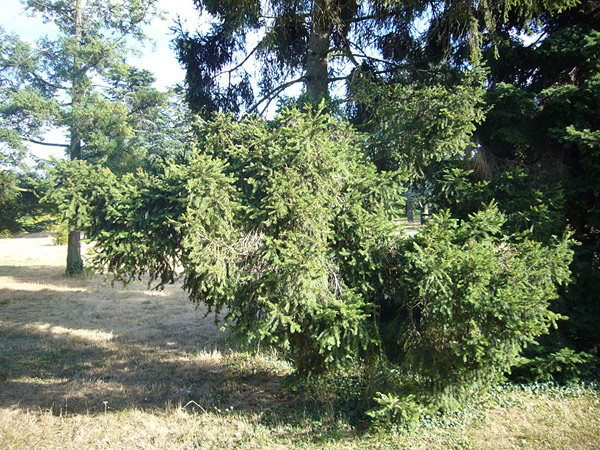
273	92
49	144
229	71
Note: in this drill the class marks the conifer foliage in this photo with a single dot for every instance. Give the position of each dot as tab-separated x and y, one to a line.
282	226
470	298
288	230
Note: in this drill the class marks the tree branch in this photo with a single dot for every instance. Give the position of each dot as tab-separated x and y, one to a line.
274	92
48	83
49	144
229	71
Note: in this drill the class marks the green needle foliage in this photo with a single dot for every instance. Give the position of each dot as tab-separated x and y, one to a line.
471	298
287	230
282	226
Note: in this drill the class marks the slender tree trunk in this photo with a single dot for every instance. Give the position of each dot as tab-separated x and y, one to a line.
74	260
424	212
409	211
317	58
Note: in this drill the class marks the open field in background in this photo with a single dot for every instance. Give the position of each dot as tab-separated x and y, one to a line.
86	365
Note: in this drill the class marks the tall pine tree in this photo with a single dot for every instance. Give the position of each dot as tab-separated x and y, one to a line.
54	83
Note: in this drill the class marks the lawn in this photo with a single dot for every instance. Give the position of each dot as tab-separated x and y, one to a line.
84	364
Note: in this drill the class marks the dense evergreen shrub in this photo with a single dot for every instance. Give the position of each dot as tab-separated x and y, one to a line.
282	226
470	298
287	231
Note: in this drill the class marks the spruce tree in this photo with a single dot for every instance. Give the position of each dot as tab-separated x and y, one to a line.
546	119
321	42
53	83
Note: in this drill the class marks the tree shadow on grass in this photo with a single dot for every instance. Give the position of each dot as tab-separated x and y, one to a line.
55	276
42	370
77	346
162	320
34	273
58	353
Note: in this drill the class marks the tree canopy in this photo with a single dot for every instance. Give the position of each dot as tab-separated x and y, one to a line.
546	120
254	50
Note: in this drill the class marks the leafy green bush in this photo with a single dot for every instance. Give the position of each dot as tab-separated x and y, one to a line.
20	208
527	200
534	201
405	410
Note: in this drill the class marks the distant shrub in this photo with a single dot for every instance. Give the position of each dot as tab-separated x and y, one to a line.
60	232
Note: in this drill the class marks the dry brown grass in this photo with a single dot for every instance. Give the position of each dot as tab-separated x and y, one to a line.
86	365
536	422
75	343
521	420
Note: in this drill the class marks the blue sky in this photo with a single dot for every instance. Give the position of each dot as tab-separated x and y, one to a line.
158	58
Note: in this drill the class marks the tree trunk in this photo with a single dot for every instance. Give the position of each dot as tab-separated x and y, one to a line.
409	211
74	260
78	82
424	212
317	74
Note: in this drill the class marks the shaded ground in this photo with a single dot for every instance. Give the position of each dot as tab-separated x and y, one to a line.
82	346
